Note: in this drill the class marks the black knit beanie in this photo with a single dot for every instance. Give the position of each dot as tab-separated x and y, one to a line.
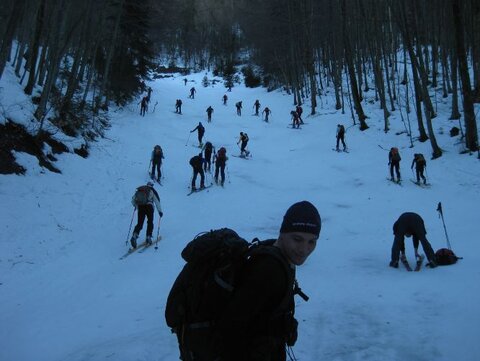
302	217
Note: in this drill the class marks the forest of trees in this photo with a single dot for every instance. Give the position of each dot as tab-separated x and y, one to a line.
84	55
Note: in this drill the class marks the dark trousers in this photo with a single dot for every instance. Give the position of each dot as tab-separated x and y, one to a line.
341	138
220	167
145	210
395	165
208	160
419	171
200	137
156	165
143	110
196	172
399	246
243	146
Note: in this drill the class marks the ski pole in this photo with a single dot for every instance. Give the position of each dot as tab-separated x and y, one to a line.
228	174
439	210
130	228
149	164
188	138
158	232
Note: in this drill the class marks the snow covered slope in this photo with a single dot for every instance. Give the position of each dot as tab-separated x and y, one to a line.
65	295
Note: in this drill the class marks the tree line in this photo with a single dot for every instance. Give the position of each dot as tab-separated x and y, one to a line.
405	50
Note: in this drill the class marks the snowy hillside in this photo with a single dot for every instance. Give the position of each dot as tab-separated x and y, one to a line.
65	295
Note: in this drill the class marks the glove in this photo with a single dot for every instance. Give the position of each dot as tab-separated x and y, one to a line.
160	214
388	163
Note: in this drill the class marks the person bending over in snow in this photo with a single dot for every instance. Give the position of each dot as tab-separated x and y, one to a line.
410	224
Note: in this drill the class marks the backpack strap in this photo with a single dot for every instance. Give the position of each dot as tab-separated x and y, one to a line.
267	248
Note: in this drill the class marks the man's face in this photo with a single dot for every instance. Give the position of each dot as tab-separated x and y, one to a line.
297	246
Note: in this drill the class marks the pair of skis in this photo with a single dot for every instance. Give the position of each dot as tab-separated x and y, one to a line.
155	179
418	264
340	151
399	182
142	247
199	189
420	184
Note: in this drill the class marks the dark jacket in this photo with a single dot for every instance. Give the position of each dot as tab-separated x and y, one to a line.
409	223
157	156
200	129
394	157
196	162
259	318
419	162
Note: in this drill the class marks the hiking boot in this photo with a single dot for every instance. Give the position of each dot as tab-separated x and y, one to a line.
424	181
194	188
149	241
133	240
202	186
432	264
393	264
221	183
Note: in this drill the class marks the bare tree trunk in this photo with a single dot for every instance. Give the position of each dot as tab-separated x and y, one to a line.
417	65
471	139
42	66
54	56
337	83
351	70
455	112
33	48
445	74
476	48
404	29
108	60
19	60
15	16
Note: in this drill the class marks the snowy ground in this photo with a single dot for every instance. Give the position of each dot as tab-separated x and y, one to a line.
65	295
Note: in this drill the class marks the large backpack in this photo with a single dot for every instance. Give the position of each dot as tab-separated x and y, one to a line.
142	195
204	287
395	154
445	257
421	162
158	155
222	153
196	162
